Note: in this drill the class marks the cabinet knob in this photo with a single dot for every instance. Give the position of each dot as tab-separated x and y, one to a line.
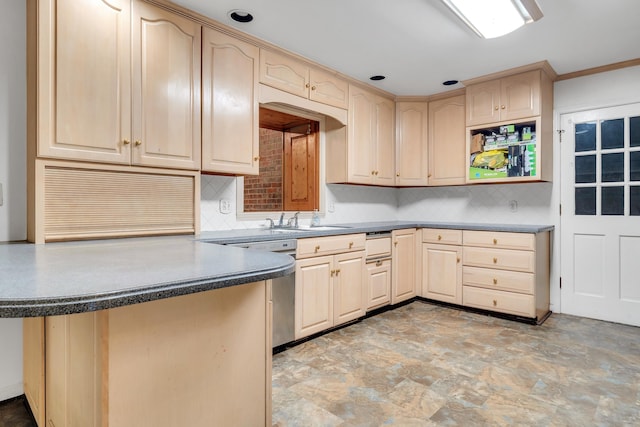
256	158
495	281
307	85
458	260
395	243
495	260
313	88
350	245
496	108
439	237
333	272
373	172
137	143
398	174
503	107
429	175
377	172
317	248
495	302
495	241
378	263
337	271
126	142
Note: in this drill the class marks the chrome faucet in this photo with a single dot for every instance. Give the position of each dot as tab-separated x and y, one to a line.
271	225
293	221
280	223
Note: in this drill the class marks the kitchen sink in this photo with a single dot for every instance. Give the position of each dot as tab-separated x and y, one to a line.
309	228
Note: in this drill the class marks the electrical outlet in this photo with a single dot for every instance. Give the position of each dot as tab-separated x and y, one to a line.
331	207
225	206
513	205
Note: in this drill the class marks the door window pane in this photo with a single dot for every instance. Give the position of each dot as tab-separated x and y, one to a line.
634	131
634	200
612	133
613	167
586	201
612	201
585	169
585	137
634	165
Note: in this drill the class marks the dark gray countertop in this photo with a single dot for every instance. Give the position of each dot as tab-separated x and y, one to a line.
65	278
257	235
74	277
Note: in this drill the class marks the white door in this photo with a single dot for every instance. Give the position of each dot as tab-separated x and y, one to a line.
600	221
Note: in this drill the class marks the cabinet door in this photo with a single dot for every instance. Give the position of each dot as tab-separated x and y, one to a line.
284	73
349	290
483	103
447	141
520	96
328	89
385	166
404	265
442	273
84	84
411	143
379	284
230	118
314	296
166	89
360	138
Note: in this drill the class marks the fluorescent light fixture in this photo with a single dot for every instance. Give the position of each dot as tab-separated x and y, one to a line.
495	18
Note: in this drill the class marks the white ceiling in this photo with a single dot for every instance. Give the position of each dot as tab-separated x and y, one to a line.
418	44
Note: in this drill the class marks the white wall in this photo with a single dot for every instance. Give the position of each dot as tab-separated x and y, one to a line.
12	173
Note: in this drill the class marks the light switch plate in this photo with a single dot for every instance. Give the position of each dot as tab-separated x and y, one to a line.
225	206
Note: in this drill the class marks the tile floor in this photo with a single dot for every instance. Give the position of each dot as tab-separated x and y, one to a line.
14	413
427	365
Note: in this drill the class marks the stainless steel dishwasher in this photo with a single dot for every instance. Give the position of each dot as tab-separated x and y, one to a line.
283	291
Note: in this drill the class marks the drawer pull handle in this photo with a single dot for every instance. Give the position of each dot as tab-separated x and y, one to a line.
495	302
126	142
458	260
378	263
350	245
439	237
333	272
495	260
495	241
337	271
495	281
317	248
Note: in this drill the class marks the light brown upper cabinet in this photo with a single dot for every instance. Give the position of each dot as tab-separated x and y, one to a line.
509	98
230	117
298	78
91	107
364	153
447	141
411	143
166	88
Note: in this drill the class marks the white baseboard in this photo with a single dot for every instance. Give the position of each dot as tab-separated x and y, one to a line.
11	391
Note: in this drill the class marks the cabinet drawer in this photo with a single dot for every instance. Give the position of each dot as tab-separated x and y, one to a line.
442	236
330	245
378	247
499	279
504	302
504	259
495	239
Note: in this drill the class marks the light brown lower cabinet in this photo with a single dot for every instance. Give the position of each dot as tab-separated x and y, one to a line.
379	283
199	359
405	266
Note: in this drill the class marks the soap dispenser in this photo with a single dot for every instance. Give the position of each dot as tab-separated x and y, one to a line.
315	219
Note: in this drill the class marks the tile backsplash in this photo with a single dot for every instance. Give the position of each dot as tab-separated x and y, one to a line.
529	203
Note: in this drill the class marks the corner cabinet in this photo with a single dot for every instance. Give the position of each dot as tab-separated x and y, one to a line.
412	154
509	128
330	282
230	115
364	153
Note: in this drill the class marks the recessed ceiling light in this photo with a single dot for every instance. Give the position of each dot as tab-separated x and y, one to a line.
375	78
240	16
450	82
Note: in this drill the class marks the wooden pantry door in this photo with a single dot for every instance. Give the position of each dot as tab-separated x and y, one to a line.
600	220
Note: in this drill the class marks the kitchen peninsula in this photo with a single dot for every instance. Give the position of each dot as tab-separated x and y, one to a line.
158	331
